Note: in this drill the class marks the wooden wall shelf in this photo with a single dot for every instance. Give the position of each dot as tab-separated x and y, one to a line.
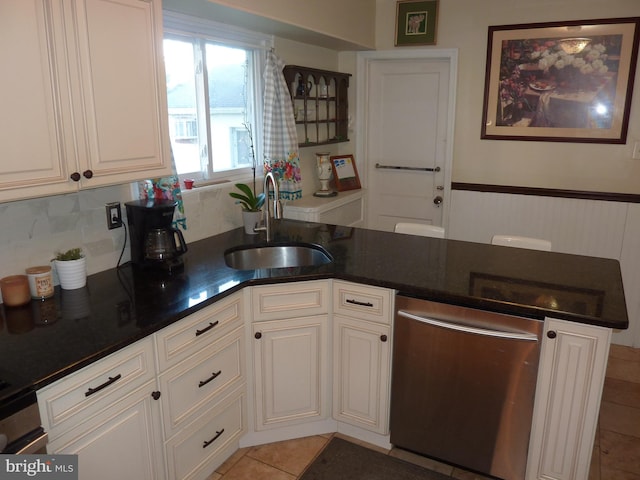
320	104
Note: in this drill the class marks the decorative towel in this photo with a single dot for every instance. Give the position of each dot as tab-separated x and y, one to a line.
280	137
167	188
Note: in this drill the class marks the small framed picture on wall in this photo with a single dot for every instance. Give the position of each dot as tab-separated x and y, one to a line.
416	22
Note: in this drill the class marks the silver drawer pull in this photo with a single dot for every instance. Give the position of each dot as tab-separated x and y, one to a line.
212	377
416	169
356	302
111	380
531	337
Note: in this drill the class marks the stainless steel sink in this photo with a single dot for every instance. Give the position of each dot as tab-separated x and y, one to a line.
276	256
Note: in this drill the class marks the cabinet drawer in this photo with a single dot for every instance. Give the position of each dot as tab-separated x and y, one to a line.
207	442
361	301
289	300
182	339
86	392
189	387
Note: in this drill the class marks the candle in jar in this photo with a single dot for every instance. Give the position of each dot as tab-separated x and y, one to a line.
40	281
15	290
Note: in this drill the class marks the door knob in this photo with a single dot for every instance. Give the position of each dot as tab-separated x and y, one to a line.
437	200
75	176
87	174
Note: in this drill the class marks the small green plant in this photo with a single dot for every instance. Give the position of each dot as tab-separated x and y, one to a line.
249	201
72	254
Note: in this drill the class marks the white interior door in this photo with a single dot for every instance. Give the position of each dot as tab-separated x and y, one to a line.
408	110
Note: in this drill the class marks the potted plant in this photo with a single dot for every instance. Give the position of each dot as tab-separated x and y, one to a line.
251	206
71	268
250	201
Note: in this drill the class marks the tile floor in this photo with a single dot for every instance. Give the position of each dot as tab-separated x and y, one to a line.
616	452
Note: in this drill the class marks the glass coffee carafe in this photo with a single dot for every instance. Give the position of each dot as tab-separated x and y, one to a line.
161	244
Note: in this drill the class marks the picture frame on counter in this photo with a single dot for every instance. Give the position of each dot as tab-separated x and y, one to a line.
345	173
560	81
416	22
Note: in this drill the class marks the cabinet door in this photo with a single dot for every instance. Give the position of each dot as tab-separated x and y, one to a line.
123	441
361	373
573	362
122	111
290	371
35	107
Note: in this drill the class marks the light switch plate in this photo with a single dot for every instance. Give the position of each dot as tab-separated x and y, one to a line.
636	151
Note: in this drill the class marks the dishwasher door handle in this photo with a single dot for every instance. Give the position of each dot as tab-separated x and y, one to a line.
530	337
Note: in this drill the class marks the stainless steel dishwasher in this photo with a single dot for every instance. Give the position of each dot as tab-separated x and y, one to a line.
463	385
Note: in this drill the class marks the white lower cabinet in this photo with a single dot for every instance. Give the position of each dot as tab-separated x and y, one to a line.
346	209
202	445
290	353
190	387
362	355
122	441
570	380
108	414
320	361
202	377
290	371
361	377
128	417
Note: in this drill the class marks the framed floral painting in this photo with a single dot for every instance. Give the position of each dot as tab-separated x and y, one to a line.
560	82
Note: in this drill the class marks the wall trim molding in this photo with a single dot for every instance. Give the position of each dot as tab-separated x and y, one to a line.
548	192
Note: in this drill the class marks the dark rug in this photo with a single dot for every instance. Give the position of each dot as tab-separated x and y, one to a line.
342	460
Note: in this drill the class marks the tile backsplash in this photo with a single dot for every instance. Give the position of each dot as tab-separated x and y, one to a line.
32	231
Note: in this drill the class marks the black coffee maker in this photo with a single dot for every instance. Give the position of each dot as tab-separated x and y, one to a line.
155	243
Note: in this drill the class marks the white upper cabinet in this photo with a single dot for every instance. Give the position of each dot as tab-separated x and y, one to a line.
83	95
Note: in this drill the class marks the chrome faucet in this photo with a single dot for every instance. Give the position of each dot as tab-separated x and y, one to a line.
277	206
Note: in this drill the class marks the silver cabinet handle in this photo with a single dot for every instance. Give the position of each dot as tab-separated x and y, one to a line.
530	337
417	169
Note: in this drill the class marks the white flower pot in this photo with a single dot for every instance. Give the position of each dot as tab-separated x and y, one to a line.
71	273
251	220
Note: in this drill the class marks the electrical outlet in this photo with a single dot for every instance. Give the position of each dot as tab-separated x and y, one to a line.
114	215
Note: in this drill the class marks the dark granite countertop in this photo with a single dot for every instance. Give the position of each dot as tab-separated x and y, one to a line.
45	341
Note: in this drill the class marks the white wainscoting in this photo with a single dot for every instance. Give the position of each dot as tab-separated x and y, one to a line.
582	227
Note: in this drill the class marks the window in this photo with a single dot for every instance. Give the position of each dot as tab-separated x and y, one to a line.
214	97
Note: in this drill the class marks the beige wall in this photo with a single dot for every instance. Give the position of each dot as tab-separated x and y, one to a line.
351	20
463	24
